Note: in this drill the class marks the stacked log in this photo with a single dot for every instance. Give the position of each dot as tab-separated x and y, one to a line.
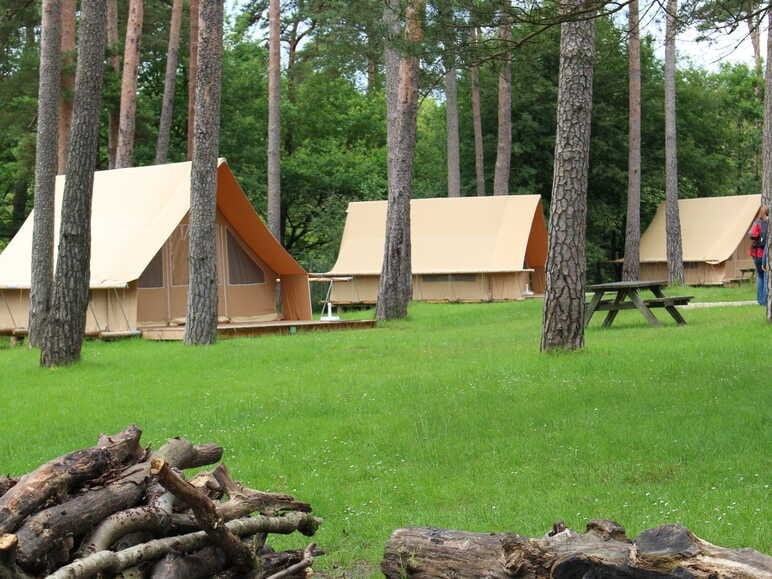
603	551
118	509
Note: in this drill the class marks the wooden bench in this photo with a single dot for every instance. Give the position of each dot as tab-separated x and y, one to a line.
668	301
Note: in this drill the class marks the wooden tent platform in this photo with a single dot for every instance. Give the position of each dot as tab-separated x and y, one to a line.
259	328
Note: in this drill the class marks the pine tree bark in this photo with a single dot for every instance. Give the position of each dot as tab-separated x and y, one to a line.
46	159
274	119
201	324
451	104
395	287
631	269
192	72
675	264
766	187
563	323
446	21
391	65
68	81
479	165
67	316
170	79
504	146
114	60
125	151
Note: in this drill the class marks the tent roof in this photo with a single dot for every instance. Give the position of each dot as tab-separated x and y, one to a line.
448	235
711	228
134	211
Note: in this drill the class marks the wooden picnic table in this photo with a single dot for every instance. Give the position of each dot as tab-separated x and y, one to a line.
627	296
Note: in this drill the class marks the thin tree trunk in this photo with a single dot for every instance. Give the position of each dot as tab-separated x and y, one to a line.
172	60
395	286
479	166
766	186
451	104
391	65
754	31
675	264
201	324
45	171
274	119
68	81
631	269
113	46
504	147
67	317
563	324
125	151
192	73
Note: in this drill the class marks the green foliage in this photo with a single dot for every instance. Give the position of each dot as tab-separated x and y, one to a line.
451	418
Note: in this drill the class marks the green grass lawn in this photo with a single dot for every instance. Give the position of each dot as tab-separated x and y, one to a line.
451	418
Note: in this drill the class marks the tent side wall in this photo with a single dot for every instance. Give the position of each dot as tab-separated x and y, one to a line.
363	289
108	310
509	286
695	273
14	310
473	287
451	288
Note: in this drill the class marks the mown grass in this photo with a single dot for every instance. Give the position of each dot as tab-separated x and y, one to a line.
451	418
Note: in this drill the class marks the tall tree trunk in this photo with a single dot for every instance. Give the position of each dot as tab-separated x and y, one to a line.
451	115
504	146
563	324
125	151
172	60
192	72
201	324
395	286
391	65
675	264
766	184
46	158
479	165
68	81
67	315
274	119
113	46
631	269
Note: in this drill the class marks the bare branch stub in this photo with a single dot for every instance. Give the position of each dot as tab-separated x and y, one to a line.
206	515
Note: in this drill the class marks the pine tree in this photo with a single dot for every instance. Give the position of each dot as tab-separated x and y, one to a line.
66	325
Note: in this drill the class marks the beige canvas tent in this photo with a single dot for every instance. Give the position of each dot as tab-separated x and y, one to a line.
466	249
139	255
714	236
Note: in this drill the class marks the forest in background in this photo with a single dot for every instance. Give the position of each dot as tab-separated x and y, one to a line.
334	132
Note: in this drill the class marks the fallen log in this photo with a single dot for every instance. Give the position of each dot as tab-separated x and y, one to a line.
602	551
55	479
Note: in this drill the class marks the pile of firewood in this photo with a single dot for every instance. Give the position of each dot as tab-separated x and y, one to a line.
118	509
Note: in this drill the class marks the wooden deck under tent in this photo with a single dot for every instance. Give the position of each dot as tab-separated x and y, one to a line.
233	330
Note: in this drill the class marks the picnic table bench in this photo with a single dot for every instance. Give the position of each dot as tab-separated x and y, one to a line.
627	296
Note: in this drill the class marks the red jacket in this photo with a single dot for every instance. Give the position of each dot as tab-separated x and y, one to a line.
757	234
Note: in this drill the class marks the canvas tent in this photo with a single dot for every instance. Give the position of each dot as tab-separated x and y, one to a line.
714	238
466	249
139	255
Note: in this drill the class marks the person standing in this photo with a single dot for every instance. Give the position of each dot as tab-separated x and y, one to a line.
758	235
